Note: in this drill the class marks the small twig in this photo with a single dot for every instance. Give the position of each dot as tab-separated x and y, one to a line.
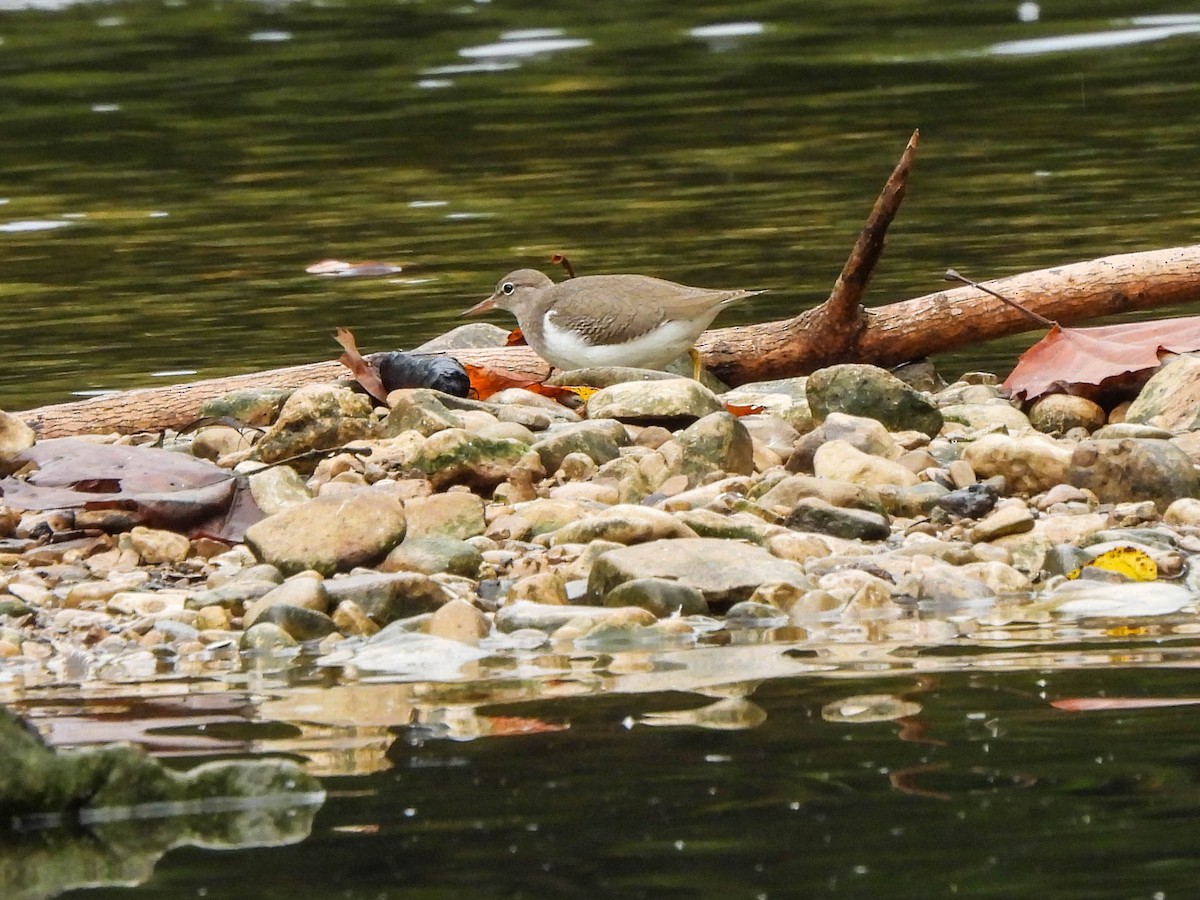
311	455
560	260
952	275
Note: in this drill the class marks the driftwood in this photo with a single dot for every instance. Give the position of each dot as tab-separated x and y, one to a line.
839	330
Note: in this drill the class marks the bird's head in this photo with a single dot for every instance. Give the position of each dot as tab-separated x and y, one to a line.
515	292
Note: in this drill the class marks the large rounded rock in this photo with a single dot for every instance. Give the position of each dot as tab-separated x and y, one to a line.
841	461
454	514
15	436
418	409
1119	471
434	555
813	514
624	524
980	416
863	390
330	534
1029	464
659	595
865	434
1062	412
785	494
455	456
716	443
386	597
638	400
723	571
1171	398
596	440
316	417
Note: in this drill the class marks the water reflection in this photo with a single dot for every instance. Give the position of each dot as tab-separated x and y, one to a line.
1098	40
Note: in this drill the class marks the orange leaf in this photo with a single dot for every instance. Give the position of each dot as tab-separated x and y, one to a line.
364	373
751	410
515	339
486	381
1068	357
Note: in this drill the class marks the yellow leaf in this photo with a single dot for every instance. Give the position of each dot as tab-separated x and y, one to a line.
1134	564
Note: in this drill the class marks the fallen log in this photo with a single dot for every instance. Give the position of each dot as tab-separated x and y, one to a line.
838	330
903	331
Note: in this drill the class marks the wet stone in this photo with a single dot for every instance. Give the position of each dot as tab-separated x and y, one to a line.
296	621
266	637
1119	471
302	591
660	596
277	488
841	461
814	514
432	555
1014	518
386	598
459	621
1062	412
723	571
970	502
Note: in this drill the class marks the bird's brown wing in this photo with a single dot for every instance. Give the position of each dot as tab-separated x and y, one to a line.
615	308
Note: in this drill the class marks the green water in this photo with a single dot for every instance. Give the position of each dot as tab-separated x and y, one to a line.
190	159
197	156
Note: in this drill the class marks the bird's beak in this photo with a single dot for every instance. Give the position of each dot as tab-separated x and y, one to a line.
480	307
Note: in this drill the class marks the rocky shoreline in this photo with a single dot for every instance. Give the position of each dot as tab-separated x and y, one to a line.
850	505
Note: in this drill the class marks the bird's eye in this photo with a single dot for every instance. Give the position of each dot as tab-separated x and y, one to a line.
507	288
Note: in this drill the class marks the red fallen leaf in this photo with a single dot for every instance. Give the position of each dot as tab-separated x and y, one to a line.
364	373
515	339
1095	704
750	410
162	488
337	268
1068	357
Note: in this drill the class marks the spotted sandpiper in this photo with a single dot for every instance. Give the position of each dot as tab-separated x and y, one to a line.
608	320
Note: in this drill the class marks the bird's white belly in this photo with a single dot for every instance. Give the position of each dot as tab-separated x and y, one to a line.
653	350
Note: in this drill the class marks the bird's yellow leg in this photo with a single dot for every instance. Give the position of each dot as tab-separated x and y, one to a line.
697	367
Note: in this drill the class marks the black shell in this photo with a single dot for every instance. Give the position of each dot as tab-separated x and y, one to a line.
418	370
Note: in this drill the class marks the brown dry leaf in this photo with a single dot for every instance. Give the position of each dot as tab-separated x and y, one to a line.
364	373
1068	357
163	488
